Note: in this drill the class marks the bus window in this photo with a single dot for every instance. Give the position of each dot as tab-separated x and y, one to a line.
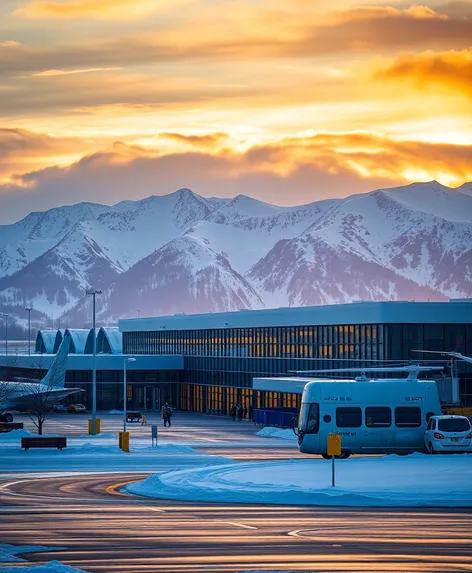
407	416
348	417
309	419
378	417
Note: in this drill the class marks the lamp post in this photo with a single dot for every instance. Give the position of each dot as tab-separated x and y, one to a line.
6	332
28	310
94	293
126	360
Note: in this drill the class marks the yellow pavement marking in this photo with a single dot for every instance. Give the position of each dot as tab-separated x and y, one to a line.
111	489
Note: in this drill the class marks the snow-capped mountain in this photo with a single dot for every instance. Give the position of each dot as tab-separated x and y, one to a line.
184	276
186	253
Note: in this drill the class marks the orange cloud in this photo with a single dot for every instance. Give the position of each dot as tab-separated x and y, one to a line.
445	70
49	73
210	141
22	150
97	9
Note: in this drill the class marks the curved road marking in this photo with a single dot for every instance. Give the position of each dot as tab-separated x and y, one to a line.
112	489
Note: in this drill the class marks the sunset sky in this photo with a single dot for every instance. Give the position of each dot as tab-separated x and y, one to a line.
286	101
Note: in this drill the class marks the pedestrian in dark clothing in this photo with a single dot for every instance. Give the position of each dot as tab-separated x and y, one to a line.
239	412
167	414
250	412
233	412
244	411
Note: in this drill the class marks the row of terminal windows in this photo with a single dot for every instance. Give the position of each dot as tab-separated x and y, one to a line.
343	341
378	417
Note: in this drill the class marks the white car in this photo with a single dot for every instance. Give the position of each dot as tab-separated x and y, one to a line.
448	434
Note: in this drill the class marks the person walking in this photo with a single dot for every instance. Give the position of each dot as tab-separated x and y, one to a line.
250	411
244	411
164	416
167	414
233	412
239	412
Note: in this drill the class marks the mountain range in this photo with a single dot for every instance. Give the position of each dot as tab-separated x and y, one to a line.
183	253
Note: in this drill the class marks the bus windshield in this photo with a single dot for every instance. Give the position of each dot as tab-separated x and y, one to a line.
309	419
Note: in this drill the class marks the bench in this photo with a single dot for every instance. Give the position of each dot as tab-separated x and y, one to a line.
9	426
42	442
133	416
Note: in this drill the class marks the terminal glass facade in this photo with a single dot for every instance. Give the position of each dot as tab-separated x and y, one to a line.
217	361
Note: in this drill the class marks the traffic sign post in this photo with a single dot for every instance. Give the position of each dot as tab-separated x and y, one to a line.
334	449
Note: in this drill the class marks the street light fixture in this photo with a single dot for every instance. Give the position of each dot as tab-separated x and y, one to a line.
93	293
28	310
6	331
126	360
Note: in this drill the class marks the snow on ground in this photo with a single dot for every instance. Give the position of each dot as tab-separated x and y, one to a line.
51	567
8	553
283	433
416	480
100	455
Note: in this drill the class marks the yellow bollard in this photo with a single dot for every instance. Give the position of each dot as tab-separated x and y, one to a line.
124	441
97	426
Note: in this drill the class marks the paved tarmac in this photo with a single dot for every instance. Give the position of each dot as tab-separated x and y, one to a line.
101	530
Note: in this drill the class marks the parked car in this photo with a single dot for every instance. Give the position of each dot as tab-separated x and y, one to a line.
60	408
448	434
76	409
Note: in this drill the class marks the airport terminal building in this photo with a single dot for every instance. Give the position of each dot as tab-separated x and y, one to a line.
207	363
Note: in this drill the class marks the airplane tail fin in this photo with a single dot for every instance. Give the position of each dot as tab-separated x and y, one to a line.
56	376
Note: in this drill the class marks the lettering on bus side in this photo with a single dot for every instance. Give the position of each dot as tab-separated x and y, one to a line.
349	434
337	398
414	398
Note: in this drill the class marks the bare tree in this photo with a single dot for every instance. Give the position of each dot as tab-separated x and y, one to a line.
40	399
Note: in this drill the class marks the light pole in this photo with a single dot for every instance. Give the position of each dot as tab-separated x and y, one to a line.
124	390
94	293
28	310
6	332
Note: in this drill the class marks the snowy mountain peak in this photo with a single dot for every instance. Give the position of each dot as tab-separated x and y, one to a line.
181	252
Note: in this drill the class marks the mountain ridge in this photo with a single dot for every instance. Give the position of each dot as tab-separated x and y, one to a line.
412	242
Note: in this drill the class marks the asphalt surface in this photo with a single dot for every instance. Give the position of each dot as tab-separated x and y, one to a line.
99	529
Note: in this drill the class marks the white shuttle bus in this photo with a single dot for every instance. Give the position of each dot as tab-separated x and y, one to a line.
372	416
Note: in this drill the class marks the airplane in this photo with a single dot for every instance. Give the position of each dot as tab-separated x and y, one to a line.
25	393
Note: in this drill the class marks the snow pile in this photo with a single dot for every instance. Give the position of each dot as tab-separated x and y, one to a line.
8	552
172	449
18	434
51	567
15	434
417	480
103	456
89	448
116	412
283	433
94	437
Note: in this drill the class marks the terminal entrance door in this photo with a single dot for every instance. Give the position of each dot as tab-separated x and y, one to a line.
152	398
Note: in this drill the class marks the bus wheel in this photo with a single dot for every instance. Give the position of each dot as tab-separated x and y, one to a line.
325	456
344	456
